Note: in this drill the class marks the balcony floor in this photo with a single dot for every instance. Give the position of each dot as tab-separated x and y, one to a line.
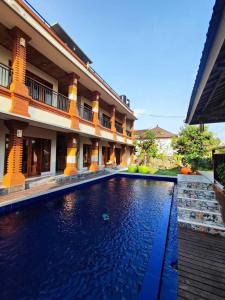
201	266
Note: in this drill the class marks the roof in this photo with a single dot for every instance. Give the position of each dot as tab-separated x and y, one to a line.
159	133
199	112
57	28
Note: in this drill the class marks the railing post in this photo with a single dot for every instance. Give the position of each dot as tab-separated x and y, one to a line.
95	110
14	179
94	156
72	95
19	91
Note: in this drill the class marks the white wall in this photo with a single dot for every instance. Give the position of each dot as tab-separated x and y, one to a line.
165	146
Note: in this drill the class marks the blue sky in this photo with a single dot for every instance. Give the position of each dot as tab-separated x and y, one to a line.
147	49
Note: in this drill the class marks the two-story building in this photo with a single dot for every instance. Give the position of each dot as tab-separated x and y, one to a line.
56	113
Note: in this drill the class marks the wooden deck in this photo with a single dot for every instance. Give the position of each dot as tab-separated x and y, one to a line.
201	266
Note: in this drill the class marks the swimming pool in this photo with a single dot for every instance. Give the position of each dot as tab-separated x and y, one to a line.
95	242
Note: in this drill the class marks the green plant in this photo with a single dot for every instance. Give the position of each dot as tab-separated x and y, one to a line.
143	169
132	169
221	174
194	144
147	146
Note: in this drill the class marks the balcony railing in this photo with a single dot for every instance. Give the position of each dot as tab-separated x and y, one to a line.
5	76
44	94
86	113
128	133
105	122
119	128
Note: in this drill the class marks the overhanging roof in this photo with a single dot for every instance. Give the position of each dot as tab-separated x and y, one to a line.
207	103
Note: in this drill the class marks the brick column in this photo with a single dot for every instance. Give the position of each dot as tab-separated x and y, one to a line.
19	91
132	130
14	179
71	159
94	156
124	126
113	121
132	155
124	156
112	154
95	110
72	95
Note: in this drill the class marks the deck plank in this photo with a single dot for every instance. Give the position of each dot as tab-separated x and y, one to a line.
201	265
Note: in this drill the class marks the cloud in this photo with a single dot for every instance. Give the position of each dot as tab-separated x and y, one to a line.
139	111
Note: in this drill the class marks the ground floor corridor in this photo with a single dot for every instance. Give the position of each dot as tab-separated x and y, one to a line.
28	151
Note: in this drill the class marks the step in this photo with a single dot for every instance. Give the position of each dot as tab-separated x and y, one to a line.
199	226
196	186
196	194
204	216
200	204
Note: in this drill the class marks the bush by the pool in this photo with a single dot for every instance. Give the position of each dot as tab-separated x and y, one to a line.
132	169
143	169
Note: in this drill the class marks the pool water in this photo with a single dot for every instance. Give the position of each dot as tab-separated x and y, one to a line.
93	243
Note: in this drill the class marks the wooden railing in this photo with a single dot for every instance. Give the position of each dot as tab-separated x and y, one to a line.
5	76
44	94
86	113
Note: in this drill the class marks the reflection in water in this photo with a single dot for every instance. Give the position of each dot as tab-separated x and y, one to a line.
63	248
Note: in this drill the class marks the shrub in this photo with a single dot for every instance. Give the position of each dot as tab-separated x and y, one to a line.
221	174
132	169
143	170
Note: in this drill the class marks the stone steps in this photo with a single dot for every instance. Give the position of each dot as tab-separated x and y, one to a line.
199	226
198	208
205	216
201	204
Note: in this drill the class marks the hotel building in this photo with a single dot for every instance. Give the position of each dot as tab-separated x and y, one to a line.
57	115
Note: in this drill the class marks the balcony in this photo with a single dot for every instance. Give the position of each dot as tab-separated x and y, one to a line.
5	76
105	121
44	94
119	128
128	133
86	113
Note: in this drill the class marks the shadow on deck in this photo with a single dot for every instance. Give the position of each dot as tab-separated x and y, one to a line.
201	267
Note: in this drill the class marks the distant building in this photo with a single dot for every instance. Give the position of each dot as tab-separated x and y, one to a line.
162	136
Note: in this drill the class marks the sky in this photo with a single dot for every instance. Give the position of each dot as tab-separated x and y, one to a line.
147	49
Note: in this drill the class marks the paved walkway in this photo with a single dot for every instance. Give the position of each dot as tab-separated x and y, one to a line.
44	187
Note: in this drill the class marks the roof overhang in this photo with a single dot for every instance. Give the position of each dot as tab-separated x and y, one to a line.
207	104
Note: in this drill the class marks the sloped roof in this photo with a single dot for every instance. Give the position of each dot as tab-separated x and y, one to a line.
159	133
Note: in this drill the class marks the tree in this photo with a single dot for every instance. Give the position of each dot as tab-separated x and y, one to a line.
147	146
194	144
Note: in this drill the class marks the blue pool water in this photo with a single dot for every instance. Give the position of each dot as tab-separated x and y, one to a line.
93	243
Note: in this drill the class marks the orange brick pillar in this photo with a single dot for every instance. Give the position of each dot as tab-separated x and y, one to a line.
71	159
112	154
132	155
113	122
124	126
19	91
72	95
14	179
124	156
95	110
94	156
132	130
